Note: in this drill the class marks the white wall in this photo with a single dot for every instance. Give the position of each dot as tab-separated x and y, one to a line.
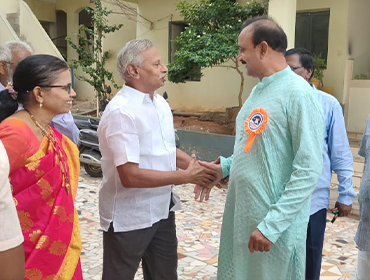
44	11
358	106
34	33
6	31
218	87
284	12
113	42
338	44
30	29
359	36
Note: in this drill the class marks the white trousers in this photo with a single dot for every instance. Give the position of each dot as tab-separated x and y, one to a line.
363	265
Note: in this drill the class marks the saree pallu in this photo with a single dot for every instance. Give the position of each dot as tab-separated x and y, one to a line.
46	211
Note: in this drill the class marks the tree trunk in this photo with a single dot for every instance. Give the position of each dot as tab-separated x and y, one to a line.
241	83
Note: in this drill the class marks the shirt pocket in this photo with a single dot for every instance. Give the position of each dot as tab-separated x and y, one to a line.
145	142
168	132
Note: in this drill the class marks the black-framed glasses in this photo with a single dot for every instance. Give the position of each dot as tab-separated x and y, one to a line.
66	87
295	68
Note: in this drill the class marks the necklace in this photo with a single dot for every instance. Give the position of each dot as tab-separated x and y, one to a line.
43	130
58	150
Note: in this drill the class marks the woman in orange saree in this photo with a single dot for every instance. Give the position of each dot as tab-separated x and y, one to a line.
44	170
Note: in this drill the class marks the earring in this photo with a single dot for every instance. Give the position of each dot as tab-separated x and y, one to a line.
40	104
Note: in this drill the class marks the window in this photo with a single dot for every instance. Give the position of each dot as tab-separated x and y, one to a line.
312	32
175	29
84	18
61	32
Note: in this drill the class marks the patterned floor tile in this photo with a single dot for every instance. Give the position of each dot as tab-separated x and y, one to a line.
198	229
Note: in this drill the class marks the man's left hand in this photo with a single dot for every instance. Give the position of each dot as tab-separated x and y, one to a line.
257	242
201	193
344	210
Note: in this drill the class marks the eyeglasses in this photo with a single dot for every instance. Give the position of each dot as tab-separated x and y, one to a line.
295	68
66	87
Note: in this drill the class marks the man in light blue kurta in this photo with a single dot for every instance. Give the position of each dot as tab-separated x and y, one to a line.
268	203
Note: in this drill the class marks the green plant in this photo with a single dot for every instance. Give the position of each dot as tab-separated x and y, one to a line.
90	51
319	69
211	38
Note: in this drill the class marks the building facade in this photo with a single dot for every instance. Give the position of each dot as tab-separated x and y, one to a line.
338	30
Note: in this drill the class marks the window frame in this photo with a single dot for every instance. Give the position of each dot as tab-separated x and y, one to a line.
311	15
184	24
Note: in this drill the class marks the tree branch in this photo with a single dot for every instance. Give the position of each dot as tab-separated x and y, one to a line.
127	10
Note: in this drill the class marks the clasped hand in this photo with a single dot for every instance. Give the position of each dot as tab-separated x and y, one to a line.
202	192
198	174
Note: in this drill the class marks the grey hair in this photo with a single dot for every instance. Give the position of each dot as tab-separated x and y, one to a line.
15	46
131	54
5	54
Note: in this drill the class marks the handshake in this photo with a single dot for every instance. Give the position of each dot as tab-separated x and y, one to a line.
205	175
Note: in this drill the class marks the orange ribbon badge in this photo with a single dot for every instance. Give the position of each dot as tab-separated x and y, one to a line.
254	124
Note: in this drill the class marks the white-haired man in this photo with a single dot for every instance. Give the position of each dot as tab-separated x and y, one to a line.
139	160
11	54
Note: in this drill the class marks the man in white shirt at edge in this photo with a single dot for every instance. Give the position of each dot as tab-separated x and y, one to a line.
139	160
11	237
11	54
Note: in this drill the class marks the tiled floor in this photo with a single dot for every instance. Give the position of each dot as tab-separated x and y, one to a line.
198	230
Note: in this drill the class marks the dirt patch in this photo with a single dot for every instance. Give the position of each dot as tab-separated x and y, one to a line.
210	123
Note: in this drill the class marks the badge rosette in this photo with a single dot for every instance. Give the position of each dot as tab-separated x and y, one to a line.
253	125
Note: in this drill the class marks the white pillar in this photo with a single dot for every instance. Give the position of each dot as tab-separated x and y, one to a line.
284	12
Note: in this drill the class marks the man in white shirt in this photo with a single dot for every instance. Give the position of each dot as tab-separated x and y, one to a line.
11	54
11	237
139	160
